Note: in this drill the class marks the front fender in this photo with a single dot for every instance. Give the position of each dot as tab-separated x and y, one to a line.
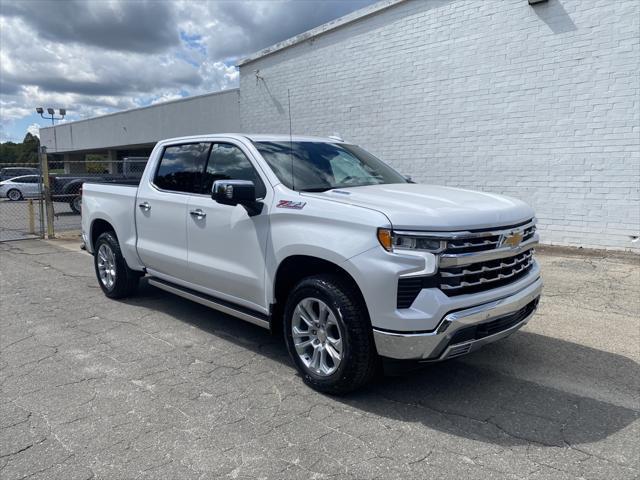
323	229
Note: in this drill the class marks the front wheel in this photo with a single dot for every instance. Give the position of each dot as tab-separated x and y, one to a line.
328	334
116	279
14	195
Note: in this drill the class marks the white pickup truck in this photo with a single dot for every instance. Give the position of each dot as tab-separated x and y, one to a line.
319	239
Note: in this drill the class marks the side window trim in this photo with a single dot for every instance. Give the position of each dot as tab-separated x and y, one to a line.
157	167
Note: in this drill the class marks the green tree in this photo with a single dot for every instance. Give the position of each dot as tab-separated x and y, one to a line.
25	152
9	152
29	150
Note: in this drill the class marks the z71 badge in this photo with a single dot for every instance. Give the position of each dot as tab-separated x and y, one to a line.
290	204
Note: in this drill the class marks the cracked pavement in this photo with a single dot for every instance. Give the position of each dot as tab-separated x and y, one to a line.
159	387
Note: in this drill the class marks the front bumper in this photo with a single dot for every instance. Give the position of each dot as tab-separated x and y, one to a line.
442	343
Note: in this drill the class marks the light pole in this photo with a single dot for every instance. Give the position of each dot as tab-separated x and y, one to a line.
51	112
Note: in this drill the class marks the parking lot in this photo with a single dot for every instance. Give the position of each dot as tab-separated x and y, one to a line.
158	387
14	219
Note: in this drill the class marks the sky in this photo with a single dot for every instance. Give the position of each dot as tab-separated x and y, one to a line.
94	57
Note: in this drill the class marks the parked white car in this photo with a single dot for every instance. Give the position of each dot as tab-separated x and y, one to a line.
319	239
26	186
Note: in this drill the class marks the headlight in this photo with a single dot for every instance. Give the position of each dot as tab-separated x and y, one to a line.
391	241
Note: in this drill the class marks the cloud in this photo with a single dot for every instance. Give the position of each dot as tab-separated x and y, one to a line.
133	26
101	56
34	129
233	29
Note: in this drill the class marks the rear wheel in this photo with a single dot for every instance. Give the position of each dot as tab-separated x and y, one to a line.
328	334
76	204
116	279
14	195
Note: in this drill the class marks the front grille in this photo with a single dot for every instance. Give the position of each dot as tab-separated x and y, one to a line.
480	241
528	233
482	276
477	332
474	276
468	245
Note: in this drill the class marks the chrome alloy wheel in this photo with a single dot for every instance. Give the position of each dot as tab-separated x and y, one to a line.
317	336
107	266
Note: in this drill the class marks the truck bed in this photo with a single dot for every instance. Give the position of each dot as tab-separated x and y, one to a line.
116	203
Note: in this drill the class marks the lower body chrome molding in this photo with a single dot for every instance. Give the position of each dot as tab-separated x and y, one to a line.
212	302
441	343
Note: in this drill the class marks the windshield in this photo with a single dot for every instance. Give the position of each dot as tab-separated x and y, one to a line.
319	166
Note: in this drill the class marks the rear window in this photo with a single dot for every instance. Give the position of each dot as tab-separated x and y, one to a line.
181	167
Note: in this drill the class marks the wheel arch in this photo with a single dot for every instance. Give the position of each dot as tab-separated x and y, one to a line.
294	268
98	227
73	187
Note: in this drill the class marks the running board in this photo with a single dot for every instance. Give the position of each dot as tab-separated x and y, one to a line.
212	302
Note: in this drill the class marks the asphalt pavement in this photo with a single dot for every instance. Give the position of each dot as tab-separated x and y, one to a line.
157	387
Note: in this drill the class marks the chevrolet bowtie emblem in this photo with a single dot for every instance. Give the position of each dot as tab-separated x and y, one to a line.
512	239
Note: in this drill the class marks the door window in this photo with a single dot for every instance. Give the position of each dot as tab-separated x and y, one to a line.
29	179
181	167
228	162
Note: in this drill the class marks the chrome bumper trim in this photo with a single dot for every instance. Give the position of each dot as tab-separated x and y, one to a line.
456	260
434	346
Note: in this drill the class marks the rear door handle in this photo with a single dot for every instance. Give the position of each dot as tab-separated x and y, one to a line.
145	207
198	213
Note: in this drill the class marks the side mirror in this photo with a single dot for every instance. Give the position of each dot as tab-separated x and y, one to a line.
409	179
234	192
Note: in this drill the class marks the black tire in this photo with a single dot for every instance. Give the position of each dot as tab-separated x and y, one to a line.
126	280
14	195
359	361
76	204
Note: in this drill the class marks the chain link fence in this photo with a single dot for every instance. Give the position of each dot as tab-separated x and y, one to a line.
21	201
46	199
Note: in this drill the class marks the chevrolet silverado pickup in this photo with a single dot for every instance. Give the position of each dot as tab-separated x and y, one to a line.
320	240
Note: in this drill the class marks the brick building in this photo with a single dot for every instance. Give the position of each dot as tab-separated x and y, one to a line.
540	102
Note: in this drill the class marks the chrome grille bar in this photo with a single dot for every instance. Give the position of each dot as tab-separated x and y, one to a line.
467	244
458	235
501	276
484	268
458	260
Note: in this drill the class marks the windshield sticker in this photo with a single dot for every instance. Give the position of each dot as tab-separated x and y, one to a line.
290	204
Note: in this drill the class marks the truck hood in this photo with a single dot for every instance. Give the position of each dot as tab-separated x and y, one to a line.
432	207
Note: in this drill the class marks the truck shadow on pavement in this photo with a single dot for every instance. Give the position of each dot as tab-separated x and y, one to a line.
528	389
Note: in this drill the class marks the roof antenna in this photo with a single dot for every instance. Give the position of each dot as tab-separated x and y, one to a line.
293	185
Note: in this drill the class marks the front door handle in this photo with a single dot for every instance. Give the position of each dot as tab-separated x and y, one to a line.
198	213
145	207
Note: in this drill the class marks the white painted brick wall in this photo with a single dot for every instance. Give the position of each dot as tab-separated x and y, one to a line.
540	103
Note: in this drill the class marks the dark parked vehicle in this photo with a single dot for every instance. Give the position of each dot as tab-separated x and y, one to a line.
68	187
12	172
